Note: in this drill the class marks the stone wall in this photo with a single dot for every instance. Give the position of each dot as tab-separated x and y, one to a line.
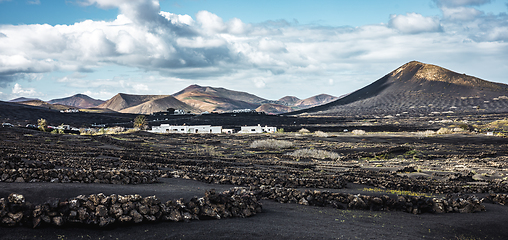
101	210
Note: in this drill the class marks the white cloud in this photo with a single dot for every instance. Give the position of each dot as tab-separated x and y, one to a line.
414	23
17	90
264	57
461	13
210	22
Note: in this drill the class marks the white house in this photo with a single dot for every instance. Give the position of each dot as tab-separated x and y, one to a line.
258	129
228	130
166	128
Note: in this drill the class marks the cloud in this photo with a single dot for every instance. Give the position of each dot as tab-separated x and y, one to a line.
17	90
414	23
461	13
34	2
143	11
264	56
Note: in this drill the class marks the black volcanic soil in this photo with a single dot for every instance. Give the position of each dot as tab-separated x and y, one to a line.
383	163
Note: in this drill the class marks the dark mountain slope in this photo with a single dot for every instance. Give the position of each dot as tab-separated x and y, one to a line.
418	88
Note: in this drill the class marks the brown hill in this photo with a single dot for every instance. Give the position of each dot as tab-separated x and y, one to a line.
78	100
288	100
217	99
143	104
43	104
421	89
273	108
23	99
315	101
159	105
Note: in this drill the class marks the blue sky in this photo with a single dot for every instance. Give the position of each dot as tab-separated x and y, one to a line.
54	49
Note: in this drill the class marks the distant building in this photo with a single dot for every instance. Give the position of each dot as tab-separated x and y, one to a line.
258	129
70	110
228	131
166	128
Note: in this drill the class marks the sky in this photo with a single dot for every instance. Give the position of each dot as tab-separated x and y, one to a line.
58	48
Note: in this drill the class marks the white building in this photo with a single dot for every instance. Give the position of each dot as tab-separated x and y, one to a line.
228	130
166	128
258	129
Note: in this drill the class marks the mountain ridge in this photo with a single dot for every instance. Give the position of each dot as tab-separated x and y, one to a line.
418	88
78	100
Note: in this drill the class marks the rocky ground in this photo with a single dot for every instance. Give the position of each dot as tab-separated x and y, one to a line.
324	184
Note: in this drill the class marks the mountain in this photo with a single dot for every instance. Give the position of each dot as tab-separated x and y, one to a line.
273	108
159	105
43	104
419	89
288	100
78	100
217	99
24	99
315	101
144	104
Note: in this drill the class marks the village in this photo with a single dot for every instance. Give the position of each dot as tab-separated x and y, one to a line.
166	128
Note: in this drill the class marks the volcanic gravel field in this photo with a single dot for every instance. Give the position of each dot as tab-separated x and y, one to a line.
380	185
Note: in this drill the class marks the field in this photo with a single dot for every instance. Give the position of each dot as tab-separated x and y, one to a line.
378	180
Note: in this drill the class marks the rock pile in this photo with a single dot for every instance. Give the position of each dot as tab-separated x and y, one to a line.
499	198
101	210
387	180
248	177
410	204
79	176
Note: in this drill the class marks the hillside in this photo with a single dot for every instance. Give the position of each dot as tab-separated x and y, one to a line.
159	105
288	100
217	99
23	99
43	104
78	100
273	108
419	89
315	101
143	104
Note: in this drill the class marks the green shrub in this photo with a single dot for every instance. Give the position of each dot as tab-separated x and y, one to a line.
140	122
43	124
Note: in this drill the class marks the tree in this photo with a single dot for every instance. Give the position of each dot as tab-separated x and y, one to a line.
43	124
140	122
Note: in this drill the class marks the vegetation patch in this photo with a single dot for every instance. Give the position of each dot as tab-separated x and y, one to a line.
315	153
271	144
397	192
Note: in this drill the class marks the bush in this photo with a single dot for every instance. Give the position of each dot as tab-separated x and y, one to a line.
321	134
113	130
427	133
303	130
444	131
358	132
315	153
140	122
271	144
43	124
